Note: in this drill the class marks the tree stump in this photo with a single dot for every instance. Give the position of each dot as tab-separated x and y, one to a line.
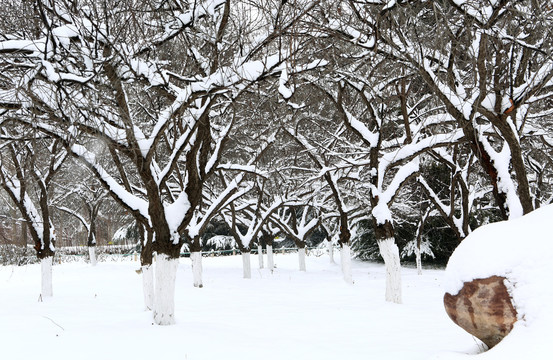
483	308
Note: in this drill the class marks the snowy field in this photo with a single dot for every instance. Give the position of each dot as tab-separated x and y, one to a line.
97	313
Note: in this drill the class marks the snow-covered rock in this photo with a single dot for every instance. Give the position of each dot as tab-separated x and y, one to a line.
519	251
483	308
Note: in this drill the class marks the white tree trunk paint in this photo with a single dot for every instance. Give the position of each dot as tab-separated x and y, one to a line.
345	256
92	255
301	257
260	255
390	254
418	259
246	265
46	273
270	259
164	298
148	286
196	257
330	248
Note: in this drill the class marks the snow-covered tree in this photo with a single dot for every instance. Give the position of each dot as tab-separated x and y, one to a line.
27	168
154	83
491	69
246	217
89	197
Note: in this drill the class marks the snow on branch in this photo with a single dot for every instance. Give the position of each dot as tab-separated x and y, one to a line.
123	196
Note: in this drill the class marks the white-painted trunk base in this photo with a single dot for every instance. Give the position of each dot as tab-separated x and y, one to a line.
92	255
390	254
260	256
196	258
46	275
246	265
270	258
301	258
330	248
164	299
419	260
148	286
345	257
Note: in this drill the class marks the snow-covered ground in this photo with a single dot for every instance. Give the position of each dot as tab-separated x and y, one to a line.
98	313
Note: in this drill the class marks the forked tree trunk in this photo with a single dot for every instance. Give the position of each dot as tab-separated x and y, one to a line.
46	276
260	255
301	258
164	300
246	264
270	258
196	258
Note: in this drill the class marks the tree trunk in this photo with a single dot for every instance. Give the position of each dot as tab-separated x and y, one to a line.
91	241
330	247
46	273
268	241
24	237
270	259
196	258
301	258
260	255
345	253
345	256
517	159
418	258
164	299
92	255
390	253
148	286
146	260
246	264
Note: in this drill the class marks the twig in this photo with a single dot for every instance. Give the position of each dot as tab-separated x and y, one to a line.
55	323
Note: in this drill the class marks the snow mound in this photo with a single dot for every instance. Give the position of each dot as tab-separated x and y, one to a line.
519	250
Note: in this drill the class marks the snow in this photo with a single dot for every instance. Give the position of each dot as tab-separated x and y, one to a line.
520	250
305	315
284	90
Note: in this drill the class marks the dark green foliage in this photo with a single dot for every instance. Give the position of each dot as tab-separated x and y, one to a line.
442	239
364	244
